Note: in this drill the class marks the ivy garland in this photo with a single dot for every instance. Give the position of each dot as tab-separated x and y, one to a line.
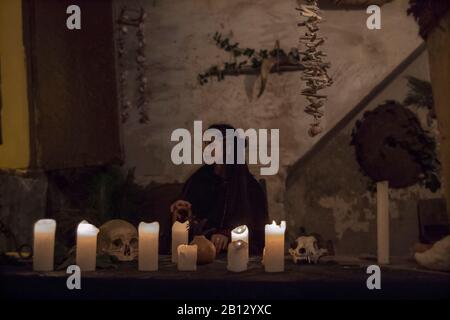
252	62
307	58
130	18
428	14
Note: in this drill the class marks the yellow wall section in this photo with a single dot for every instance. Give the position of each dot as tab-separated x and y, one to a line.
15	150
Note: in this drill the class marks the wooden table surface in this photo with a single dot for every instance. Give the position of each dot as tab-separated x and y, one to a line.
335	278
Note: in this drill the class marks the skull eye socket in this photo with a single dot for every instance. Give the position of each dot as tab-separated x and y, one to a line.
293	244
302	250
134	243
117	243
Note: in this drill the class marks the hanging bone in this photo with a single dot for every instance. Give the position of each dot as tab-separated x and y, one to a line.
315	73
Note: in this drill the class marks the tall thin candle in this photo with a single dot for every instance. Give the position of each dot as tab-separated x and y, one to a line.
180	235
44	245
274	247
86	246
148	246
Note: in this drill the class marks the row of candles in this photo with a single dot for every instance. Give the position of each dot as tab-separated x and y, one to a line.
183	254
186	255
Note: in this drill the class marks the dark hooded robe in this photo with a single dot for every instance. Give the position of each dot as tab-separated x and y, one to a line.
223	203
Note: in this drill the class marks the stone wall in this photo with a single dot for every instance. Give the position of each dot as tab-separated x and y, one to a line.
179	46
328	193
23	199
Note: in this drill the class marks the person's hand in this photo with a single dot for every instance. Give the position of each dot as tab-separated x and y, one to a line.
181	210
220	241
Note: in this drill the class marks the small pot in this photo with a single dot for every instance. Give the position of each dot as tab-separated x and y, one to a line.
206	251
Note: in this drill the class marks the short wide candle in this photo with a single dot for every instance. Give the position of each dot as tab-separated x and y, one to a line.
274	247
44	245
86	246
237	256
148	246
180	235
187	257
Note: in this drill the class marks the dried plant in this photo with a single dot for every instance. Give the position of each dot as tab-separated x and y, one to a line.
428	13
133	18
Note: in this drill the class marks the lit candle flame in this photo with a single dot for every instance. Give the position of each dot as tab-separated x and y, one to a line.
240	229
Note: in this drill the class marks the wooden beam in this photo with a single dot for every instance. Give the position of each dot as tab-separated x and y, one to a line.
438	43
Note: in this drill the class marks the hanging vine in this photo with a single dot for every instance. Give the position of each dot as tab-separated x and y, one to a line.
307	58
133	18
315	73
250	61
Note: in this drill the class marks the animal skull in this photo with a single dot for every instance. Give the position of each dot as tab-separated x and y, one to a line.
118	238
305	249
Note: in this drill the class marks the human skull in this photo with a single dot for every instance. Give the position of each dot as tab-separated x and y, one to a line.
305	249
118	238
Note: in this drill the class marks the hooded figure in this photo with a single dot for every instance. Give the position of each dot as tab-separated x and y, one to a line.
222	197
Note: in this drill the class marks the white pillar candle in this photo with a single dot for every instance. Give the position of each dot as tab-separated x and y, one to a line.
44	245
383	222
86	246
187	257
180	235
241	233
237	256
148	246
274	247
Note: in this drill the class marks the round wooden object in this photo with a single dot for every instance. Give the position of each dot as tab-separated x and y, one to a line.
381	142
